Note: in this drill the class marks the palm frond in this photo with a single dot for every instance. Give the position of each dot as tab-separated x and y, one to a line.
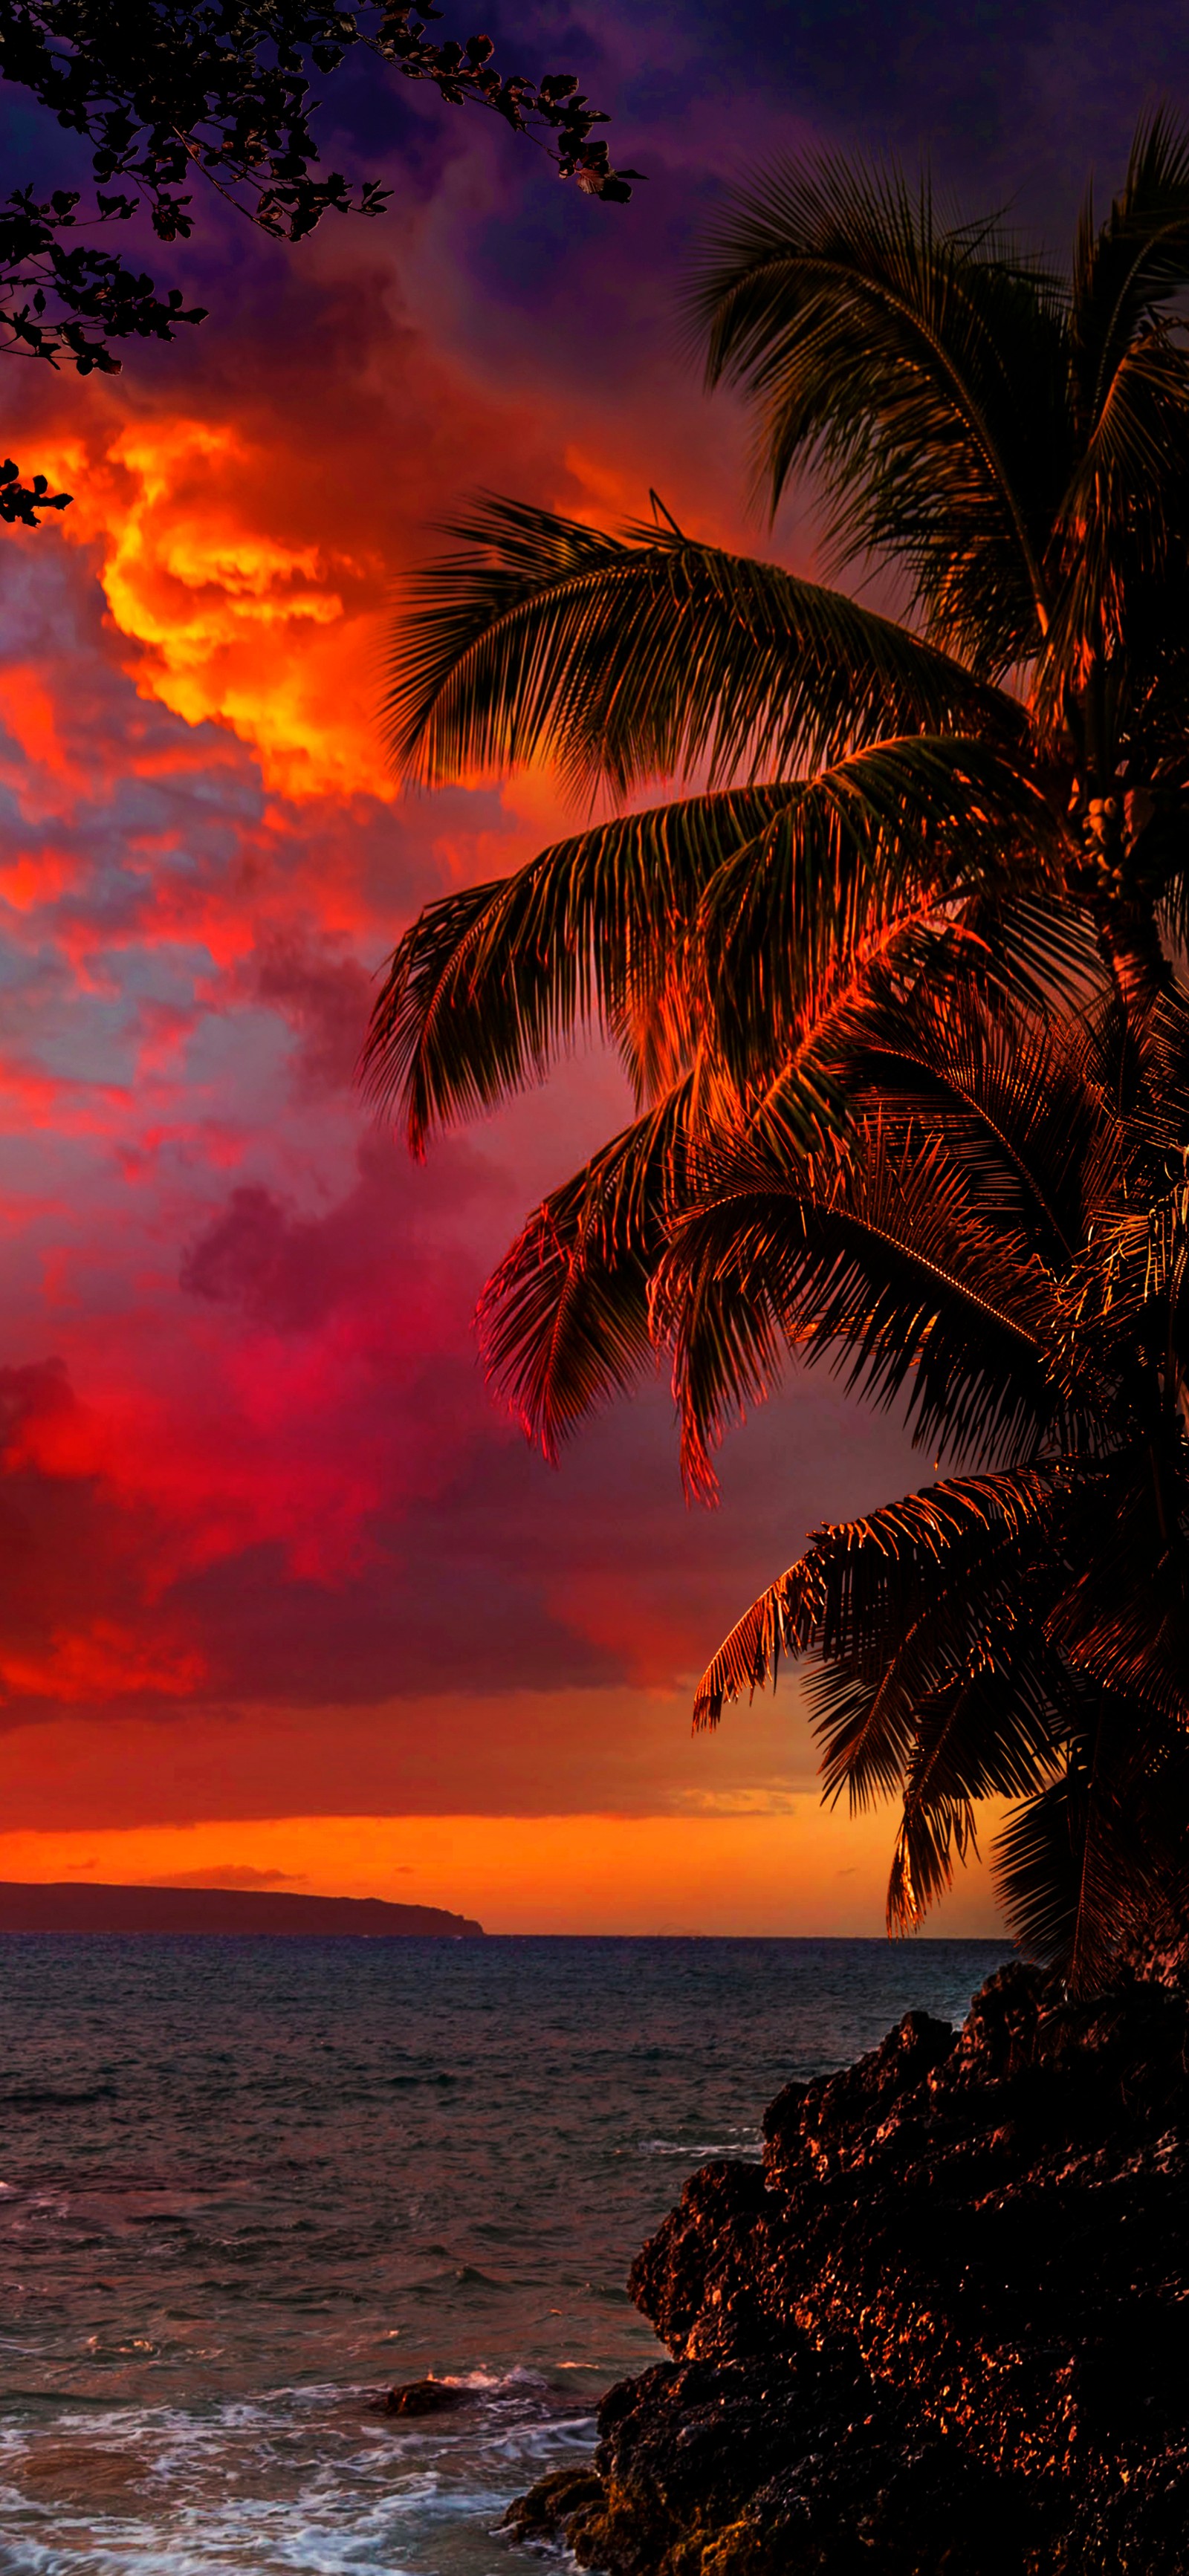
1162	1118
933	1834
783	1620
988	1728
1115	558
1122	1619
490	983
883	1271
735	904
1092	1853
901	830
860	1587
919	367
564	1320
1015	1097
1041	937
649	655
1139	1259
1129	271
1037	1859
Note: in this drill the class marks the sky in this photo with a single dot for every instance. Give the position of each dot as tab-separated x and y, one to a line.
289	1602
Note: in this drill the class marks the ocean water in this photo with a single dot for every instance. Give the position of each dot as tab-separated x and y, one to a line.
246	2185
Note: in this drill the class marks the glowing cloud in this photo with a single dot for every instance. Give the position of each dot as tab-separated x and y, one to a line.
234	623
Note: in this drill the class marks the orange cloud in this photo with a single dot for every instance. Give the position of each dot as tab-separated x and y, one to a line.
276	640
30	878
31	716
247	540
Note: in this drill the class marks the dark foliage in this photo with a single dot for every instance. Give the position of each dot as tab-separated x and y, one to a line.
20	502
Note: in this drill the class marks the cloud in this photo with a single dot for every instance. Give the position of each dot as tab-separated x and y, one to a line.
233	621
247	544
79	1570
232	1874
323	996
259	1258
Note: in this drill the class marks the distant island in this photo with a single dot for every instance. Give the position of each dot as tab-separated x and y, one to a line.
63	1906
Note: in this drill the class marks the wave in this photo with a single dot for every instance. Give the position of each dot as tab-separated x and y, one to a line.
289	2483
235	2207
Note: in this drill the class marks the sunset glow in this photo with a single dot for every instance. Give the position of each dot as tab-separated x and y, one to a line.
791	1871
272	1546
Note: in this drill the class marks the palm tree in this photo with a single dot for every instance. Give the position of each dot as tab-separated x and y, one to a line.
1006	1236
977	805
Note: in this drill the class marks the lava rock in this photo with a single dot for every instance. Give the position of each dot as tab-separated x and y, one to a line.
425	2397
943	2332
554	2504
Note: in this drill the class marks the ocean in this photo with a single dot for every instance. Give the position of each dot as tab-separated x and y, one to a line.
247	2185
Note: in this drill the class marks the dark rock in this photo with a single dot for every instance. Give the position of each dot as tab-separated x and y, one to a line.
554	2504
425	2397
943	2332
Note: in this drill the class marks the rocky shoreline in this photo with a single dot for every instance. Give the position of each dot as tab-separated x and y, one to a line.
943	2331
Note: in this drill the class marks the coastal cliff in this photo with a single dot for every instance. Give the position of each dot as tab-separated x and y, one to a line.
943	2331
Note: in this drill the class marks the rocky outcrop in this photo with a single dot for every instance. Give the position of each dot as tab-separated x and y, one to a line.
944	2328
425	2397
